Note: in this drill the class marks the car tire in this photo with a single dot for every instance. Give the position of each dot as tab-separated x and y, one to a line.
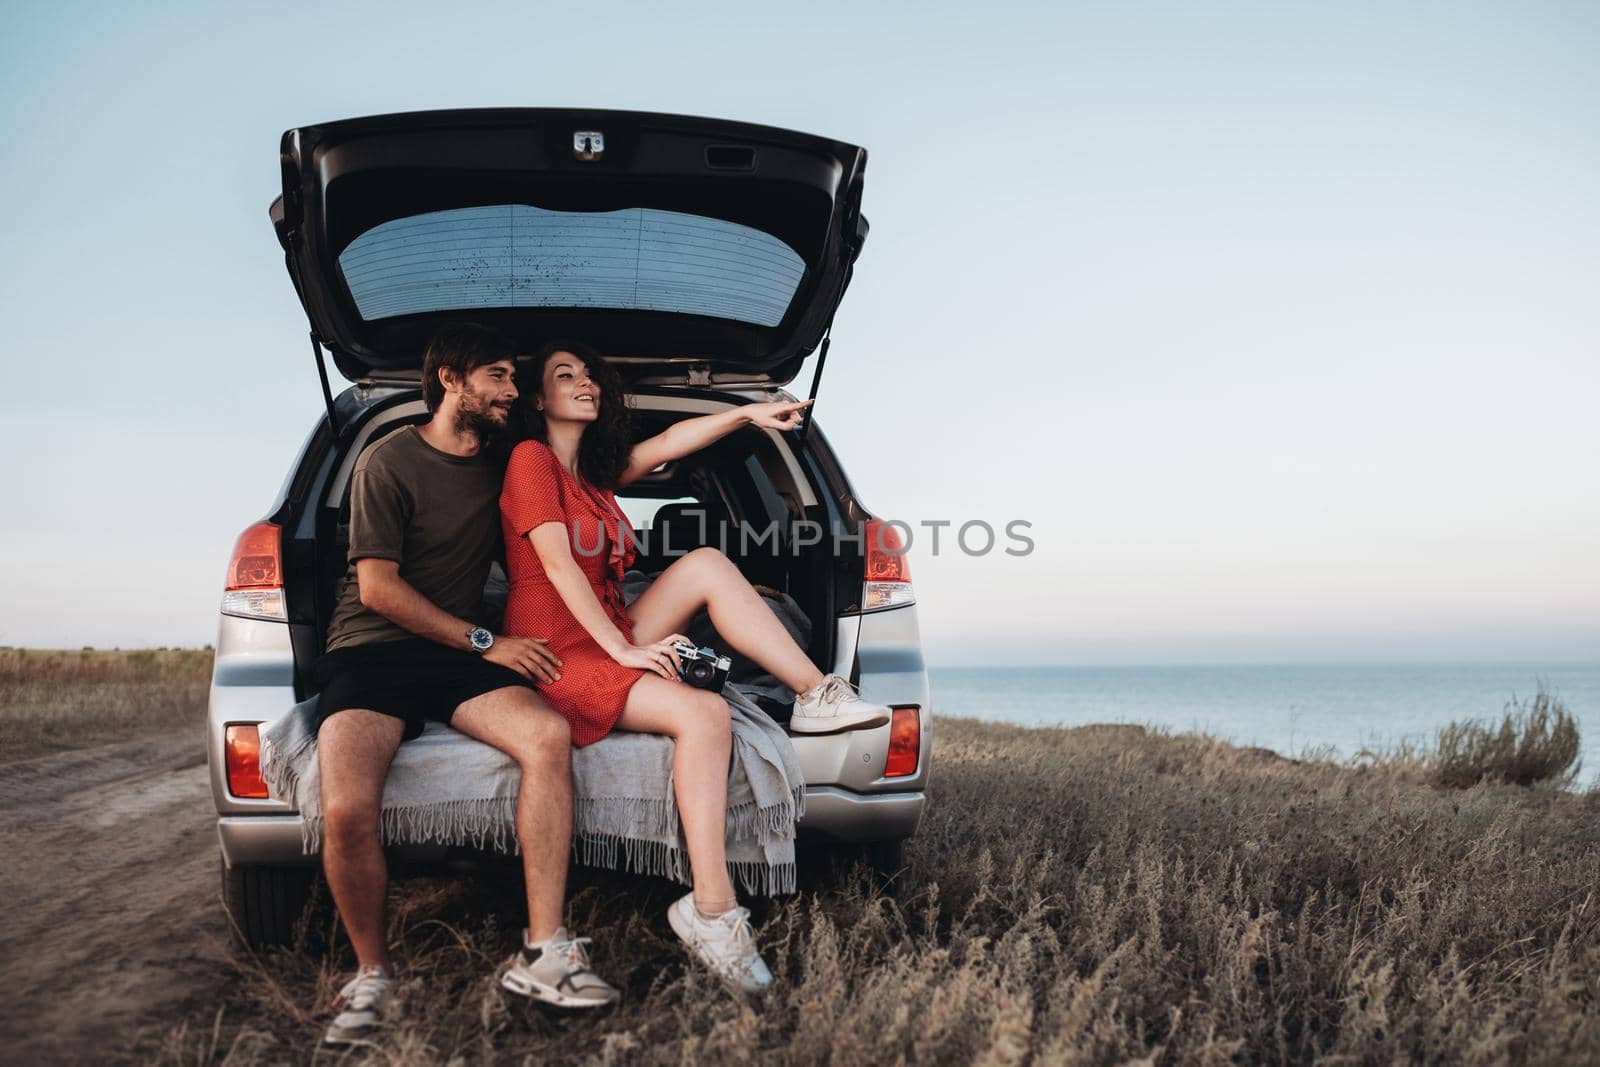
266	903
886	860
885	863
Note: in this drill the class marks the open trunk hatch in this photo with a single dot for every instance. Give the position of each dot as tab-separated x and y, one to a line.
690	250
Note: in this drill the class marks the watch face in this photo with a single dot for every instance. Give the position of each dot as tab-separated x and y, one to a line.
481	639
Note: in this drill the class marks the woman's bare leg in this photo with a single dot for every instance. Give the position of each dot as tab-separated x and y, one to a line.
707	578
701	730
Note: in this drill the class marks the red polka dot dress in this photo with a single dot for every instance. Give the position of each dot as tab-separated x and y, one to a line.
593	687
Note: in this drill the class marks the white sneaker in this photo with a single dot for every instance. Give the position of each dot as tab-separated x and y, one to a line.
557	972
363	1001
725	943
831	706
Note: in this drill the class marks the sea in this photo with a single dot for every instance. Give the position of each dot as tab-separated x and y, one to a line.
1331	710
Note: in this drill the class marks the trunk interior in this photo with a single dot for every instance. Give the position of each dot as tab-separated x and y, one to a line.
701	500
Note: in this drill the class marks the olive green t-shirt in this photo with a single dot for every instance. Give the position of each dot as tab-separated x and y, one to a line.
435	514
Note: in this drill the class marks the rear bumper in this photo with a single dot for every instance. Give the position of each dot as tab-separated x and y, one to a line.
268	840
846	817
833	815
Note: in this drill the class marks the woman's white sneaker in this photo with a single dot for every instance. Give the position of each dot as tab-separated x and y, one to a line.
725	943
833	705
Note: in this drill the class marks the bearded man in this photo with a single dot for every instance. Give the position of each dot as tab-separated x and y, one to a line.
406	644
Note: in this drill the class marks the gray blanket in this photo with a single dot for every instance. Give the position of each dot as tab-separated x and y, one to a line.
445	788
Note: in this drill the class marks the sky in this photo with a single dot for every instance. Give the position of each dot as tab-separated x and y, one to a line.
1277	323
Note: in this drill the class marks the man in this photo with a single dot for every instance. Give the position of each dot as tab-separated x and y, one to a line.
405	646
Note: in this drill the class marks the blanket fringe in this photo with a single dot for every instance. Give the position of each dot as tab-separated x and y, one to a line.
625	815
278	767
765	879
662	860
605	833
485	823
775	822
615	852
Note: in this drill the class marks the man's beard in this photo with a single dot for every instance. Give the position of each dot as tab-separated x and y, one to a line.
475	415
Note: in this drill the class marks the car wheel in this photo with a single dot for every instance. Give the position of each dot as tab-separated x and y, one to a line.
265	903
886	860
885	863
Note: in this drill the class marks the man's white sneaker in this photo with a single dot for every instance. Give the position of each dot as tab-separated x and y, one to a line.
725	943
557	972
362	1000
831	706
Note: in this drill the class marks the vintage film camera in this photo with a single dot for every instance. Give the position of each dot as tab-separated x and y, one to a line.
702	667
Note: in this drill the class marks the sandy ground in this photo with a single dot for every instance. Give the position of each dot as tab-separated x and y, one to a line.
112	915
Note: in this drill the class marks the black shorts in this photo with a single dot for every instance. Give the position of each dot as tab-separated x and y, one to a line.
412	679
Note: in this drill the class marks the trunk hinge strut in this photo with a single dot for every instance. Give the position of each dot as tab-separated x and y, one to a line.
816	380
289	237
327	393
827	332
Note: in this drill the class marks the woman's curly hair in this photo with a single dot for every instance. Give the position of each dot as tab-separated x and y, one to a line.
603	453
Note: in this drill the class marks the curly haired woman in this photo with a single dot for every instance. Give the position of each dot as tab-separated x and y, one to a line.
619	669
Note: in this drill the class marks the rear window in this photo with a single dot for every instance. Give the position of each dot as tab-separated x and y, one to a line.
516	255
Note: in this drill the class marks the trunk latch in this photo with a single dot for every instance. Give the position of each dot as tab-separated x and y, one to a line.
588	145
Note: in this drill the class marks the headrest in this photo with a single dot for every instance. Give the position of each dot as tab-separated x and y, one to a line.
684	526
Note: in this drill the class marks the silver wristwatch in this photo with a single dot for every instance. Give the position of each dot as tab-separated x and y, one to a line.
482	639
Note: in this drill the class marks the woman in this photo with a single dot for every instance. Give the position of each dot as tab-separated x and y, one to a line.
619	670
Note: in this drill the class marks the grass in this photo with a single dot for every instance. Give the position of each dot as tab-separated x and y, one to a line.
1091	895
1075	896
52	700
1536	741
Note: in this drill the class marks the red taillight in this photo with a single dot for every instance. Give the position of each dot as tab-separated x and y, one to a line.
254	586
242	757
888	583
886	553
905	742
255	563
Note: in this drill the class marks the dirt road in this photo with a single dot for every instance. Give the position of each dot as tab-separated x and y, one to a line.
112	922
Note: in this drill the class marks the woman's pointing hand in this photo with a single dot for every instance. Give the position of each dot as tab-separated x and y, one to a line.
776	414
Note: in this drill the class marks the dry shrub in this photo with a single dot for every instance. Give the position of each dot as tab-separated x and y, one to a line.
53	699
1074	897
1536	741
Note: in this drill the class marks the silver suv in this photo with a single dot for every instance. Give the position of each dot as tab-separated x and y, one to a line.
707	259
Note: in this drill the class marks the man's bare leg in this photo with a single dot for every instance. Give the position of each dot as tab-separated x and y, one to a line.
354	750
522	724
